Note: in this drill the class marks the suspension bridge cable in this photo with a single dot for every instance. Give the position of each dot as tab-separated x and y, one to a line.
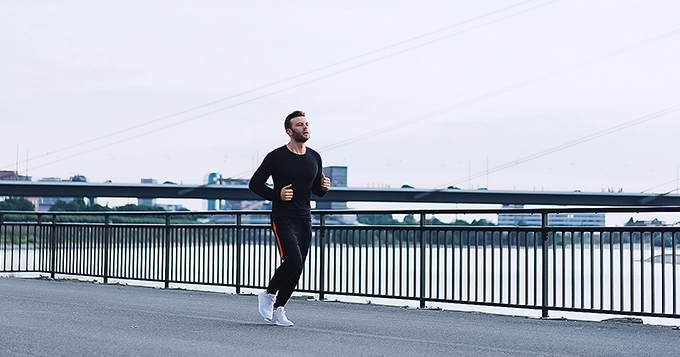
561	147
661	185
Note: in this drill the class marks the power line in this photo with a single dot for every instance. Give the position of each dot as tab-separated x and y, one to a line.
491	94
429	115
661	185
496	93
676	181
561	147
273	84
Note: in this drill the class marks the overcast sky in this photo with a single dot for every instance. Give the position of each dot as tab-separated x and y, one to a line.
426	93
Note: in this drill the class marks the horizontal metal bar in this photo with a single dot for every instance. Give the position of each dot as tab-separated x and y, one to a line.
337	194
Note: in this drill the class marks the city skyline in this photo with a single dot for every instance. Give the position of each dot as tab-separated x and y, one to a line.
529	95
339	176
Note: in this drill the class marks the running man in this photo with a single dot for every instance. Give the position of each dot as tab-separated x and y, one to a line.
297	173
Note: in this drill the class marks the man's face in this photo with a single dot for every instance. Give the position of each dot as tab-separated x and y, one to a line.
299	130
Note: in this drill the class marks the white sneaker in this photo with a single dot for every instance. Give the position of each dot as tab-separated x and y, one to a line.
279	317
265	304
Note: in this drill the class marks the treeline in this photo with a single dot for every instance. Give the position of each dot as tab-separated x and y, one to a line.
16	204
79	205
387	219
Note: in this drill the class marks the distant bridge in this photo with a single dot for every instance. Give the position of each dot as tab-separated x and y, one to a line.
337	194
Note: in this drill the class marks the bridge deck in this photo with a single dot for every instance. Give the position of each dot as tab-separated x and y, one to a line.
67	318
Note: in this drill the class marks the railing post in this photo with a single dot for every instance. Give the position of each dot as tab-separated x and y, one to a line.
38	238
545	255
167	251
107	242
322	257
53	247
2	220
239	238
422	261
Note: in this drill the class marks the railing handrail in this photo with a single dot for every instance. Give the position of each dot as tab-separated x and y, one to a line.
538	211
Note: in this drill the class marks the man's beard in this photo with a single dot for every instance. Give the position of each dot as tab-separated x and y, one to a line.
299	137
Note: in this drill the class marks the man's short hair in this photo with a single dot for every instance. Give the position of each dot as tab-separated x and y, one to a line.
295	114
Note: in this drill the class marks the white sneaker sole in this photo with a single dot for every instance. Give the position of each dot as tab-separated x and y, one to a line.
271	321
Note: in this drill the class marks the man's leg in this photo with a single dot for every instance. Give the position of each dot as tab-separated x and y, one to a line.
285	232
303	230
289	251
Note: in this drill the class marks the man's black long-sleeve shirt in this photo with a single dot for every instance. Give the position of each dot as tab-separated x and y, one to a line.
286	167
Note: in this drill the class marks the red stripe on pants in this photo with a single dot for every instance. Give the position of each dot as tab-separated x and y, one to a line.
278	240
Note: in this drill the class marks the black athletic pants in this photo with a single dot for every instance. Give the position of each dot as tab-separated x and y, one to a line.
293	237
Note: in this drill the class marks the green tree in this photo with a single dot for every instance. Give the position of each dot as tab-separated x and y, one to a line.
434	221
58	206
77	205
16	204
376	219
409	219
99	208
481	222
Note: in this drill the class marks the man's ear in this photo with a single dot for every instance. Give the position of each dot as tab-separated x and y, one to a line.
289	131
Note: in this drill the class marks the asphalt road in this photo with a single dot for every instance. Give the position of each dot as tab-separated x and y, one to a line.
41	317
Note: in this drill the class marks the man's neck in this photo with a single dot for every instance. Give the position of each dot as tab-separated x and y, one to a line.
296	147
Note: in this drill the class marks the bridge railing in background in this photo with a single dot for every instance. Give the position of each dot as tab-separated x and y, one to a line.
629	270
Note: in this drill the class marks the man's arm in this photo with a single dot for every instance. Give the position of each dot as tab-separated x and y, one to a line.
321	183
258	183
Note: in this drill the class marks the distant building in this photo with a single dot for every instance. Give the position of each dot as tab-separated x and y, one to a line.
78	178
45	203
554	219
147	201
231	205
518	219
212	179
577	219
172	207
13	176
215	178
338	176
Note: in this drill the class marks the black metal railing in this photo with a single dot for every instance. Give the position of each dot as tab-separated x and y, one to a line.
614	270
